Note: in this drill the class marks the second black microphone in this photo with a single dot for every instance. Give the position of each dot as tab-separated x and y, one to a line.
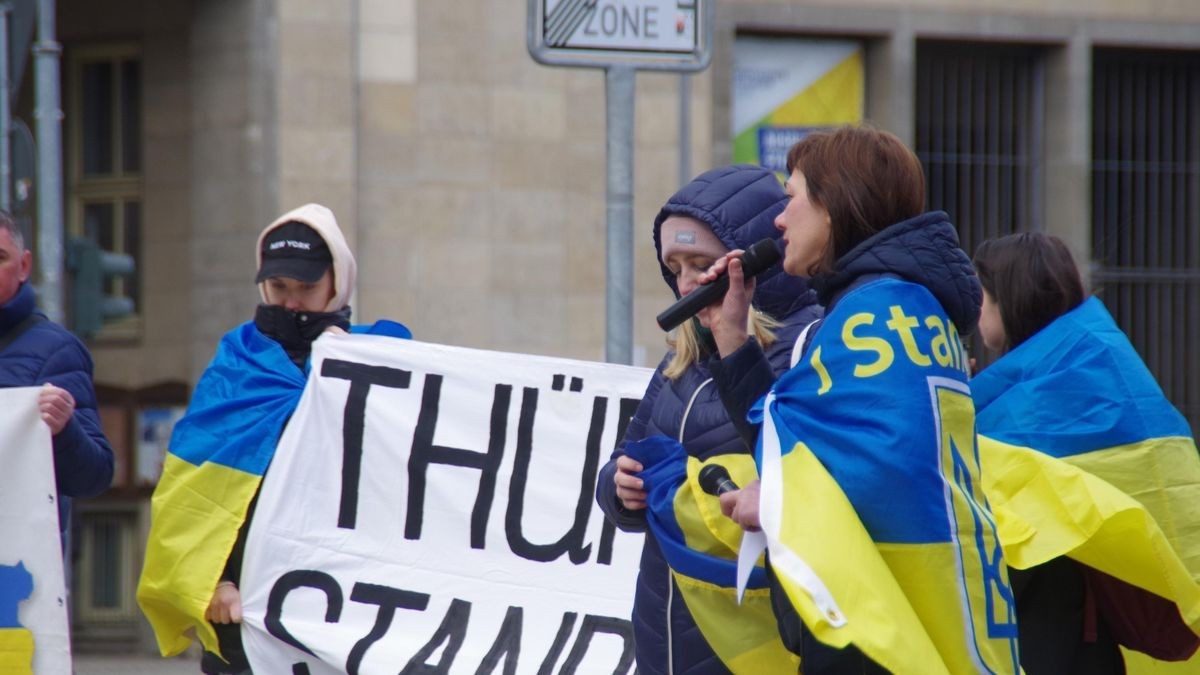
760	256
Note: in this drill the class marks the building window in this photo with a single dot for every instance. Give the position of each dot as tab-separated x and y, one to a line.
1146	209
104	150
979	135
107	565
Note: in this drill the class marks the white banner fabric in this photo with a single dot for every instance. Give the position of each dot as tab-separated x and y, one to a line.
31	565
431	509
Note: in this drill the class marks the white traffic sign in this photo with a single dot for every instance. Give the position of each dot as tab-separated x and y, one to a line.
643	34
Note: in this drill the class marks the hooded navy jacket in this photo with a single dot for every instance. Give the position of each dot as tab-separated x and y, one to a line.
739	204
46	352
923	250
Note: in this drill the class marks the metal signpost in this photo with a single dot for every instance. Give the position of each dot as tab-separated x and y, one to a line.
621	36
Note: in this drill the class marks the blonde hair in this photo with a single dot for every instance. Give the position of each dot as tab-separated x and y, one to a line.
686	342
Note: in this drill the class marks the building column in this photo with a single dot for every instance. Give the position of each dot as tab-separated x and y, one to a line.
891	64
234	177
1068	133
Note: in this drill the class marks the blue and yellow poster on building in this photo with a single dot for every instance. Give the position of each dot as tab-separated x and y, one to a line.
784	88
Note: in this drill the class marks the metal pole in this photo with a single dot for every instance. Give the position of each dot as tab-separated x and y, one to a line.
618	96
49	145
5	114
685	128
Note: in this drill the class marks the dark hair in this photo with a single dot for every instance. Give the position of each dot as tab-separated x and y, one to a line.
867	179
1033	280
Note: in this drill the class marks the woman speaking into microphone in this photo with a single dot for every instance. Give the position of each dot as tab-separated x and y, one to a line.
883	551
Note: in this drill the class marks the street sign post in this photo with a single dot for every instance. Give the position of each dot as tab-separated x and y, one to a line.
621	36
643	34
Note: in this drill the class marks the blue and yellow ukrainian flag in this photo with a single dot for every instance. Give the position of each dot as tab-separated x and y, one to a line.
876	524
218	453
1085	457
701	547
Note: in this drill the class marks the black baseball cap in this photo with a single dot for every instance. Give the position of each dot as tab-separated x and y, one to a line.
294	250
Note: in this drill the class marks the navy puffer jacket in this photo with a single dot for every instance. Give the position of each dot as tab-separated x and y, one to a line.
739	204
46	352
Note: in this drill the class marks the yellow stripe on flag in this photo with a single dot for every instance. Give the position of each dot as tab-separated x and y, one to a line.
821	527
195	516
745	637
1047	507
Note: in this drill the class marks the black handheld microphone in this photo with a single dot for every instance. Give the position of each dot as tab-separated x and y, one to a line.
715	480
761	255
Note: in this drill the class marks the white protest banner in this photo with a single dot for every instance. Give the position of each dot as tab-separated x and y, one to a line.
431	509
33	597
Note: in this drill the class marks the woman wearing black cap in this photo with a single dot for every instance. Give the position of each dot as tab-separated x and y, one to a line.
221	448
305	275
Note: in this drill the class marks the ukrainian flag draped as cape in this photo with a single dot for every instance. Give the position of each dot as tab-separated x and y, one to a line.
1085	457
700	545
217	456
871	504
218	453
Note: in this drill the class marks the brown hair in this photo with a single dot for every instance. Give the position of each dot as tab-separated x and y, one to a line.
867	179
1033	280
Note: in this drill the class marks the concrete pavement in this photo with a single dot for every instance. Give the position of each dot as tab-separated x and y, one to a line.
135	664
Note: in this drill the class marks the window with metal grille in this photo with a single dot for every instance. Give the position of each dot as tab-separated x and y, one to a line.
1146	209
979	135
104	161
106	573
979	114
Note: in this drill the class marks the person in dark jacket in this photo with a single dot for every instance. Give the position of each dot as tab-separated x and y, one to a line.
723	209
855	225
39	352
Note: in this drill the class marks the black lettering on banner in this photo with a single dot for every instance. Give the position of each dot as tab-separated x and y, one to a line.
608	531
571	542
507	644
388	599
560	641
300	669
454	629
600	624
361	377
291	581
625	413
424	453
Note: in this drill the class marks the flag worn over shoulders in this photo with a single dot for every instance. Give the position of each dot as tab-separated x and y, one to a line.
701	547
218	453
871	503
1085	457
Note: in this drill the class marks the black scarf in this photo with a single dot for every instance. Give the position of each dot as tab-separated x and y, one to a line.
295	331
